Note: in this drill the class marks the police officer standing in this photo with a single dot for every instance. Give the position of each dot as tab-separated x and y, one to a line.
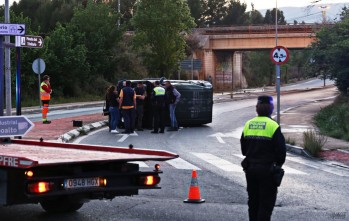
158	101
264	146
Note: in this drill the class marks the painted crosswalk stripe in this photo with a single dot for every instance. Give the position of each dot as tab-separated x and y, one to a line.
179	163
287	169
218	162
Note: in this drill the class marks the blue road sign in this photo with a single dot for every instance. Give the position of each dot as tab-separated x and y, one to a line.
11	126
12	29
189	64
39	66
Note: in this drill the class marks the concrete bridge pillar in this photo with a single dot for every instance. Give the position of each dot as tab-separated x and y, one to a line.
238	80
209	65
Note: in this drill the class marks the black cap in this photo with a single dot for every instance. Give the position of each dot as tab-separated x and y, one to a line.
265	100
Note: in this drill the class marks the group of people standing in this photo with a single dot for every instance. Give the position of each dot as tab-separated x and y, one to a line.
128	103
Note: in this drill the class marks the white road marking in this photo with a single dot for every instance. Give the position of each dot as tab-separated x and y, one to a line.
125	136
218	162
179	163
234	134
287	169
220	140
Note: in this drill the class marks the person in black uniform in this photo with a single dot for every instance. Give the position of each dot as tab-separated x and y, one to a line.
158	102
264	146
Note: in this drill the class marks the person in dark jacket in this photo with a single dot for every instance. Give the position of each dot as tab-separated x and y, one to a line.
172	97
127	104
158	102
264	146
140	96
112	102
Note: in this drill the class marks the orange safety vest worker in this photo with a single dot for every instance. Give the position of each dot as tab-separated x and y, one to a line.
45	96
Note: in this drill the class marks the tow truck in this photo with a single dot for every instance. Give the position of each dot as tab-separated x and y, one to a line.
61	177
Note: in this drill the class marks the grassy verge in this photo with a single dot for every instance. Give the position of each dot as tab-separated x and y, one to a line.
333	120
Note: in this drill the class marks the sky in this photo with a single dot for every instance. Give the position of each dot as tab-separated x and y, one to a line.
269	4
263	4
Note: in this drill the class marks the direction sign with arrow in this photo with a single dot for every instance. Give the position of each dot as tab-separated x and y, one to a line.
14	126
29	41
12	29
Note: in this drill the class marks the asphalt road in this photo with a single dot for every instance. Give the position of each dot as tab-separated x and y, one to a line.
311	190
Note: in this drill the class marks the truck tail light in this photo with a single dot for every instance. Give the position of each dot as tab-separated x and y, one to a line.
29	173
40	187
150	180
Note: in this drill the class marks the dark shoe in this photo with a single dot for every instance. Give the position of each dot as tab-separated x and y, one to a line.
162	131
140	129
46	122
154	132
126	132
172	129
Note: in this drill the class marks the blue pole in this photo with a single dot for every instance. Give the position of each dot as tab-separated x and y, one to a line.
1	77
18	82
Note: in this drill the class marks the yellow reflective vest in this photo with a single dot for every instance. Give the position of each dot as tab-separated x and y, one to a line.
43	94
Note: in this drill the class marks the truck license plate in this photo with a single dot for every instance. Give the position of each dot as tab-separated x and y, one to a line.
81	182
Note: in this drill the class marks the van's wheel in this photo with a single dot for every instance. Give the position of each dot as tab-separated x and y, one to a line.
61	205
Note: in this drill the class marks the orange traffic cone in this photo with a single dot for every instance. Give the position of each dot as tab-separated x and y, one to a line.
194	191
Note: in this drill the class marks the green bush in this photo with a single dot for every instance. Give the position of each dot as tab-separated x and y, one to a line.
333	120
290	141
313	142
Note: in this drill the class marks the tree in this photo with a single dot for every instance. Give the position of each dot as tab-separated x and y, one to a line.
215	11
269	17
255	18
197	9
236	14
97	24
160	29
331	54
66	62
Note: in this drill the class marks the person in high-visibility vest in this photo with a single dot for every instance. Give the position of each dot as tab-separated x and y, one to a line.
158	102
264	146
45	96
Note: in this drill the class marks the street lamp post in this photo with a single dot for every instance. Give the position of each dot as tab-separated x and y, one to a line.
277	66
119	13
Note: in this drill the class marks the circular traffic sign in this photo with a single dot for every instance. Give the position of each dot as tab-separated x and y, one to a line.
279	55
38	66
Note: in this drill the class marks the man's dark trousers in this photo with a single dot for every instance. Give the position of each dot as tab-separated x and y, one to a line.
262	192
159	118
129	116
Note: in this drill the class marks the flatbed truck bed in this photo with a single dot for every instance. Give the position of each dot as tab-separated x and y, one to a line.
62	177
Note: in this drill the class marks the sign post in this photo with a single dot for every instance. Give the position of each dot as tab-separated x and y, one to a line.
279	55
39	68
11	126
